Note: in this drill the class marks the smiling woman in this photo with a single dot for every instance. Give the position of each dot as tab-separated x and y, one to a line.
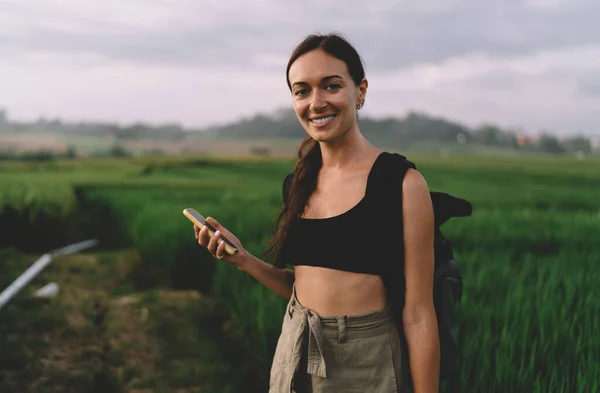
326	91
340	331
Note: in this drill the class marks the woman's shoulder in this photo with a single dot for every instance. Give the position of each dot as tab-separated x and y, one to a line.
414	185
398	176
411	179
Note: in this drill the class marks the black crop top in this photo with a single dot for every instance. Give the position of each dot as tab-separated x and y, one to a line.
368	238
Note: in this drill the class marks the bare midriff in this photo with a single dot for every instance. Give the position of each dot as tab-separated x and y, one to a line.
332	292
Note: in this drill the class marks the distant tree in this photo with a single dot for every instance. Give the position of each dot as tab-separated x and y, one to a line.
4	126
3	117
550	144
117	150
71	152
511	139
39	156
579	144
489	135
260	151
55	124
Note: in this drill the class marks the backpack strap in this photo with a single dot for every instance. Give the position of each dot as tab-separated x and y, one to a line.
445	206
385	181
387	187
386	194
397	167
447	280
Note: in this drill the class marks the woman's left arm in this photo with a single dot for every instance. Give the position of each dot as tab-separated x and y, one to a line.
418	316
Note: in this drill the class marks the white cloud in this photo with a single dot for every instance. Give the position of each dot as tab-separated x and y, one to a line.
477	65
542	3
80	16
538	91
109	90
533	63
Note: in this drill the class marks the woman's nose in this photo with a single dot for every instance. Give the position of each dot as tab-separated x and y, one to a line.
318	102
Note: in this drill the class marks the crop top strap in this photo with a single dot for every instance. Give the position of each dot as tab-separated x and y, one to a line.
385	180
389	169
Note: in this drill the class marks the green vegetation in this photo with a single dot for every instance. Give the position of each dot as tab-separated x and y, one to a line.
529	256
270	134
100	336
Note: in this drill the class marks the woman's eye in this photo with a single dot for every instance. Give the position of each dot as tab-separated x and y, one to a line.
333	86
300	92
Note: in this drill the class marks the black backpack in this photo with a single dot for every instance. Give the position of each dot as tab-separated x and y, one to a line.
447	285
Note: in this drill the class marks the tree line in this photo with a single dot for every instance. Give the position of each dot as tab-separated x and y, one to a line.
413	128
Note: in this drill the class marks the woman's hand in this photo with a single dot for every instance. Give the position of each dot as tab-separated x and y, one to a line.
216	245
273	278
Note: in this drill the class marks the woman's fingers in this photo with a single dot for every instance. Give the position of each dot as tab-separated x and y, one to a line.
203	237
224	231
213	243
220	248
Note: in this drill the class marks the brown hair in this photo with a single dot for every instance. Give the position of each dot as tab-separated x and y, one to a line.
306	171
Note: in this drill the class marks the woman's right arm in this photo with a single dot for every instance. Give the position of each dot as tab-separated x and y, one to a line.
277	280
280	281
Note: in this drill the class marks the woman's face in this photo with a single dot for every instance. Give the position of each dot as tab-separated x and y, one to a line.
324	95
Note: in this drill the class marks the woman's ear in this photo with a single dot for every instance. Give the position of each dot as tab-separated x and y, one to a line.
362	92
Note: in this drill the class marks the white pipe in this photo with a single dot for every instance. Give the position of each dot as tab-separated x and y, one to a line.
24	279
74	247
38	266
49	290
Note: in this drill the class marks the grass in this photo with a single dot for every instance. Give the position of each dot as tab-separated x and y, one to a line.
100	335
529	257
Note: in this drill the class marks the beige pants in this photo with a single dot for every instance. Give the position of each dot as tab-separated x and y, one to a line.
332	354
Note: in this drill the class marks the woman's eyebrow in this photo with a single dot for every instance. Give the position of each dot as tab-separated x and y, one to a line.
325	79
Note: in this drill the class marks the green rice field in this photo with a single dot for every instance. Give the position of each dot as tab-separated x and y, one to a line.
530	256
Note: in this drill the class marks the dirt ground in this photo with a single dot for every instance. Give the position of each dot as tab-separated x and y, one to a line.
98	336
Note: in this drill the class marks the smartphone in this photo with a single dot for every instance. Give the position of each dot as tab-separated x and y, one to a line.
200	221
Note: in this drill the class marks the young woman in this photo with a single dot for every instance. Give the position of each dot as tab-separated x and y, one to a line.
344	236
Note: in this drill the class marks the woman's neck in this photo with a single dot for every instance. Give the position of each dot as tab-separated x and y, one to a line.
351	149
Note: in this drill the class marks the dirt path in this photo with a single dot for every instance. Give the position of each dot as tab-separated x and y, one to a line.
99	336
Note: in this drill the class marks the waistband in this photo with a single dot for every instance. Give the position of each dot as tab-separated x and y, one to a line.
340	327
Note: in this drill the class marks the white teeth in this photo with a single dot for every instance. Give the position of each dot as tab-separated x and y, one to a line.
323	120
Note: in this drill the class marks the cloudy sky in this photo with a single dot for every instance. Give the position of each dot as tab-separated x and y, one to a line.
533	64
